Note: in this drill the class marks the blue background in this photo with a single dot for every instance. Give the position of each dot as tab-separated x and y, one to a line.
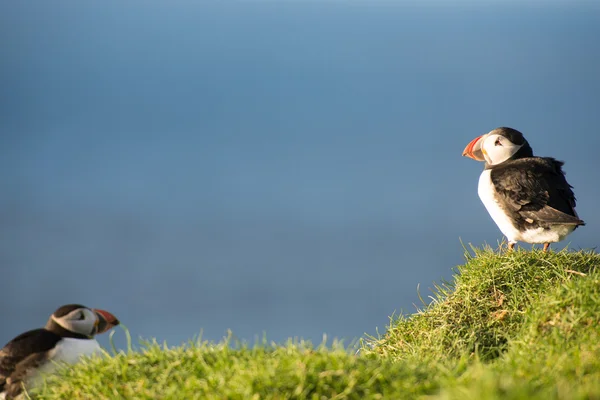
291	168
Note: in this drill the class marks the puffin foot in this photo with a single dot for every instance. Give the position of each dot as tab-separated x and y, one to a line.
546	247
511	246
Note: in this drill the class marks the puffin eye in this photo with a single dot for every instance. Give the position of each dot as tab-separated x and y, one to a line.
81	316
497	142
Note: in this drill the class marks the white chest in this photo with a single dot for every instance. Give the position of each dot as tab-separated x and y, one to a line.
487	194
71	350
67	351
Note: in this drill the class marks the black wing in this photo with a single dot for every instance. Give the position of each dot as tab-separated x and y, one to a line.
21	355
536	190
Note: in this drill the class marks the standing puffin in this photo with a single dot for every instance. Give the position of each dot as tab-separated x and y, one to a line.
528	197
68	335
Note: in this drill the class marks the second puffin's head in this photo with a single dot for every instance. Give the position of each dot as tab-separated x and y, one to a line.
497	146
81	320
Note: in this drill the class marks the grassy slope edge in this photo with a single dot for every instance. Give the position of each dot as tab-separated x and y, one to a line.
517	325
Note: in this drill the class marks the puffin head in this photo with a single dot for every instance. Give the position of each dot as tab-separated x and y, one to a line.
81	320
497	146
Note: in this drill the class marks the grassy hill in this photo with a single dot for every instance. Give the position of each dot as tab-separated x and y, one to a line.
518	325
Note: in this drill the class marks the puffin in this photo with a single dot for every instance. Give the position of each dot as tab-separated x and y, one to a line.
528	197
68	335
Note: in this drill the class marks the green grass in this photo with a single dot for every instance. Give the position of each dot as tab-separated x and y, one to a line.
518	325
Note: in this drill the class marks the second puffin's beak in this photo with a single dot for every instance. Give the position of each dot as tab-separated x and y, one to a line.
105	320
474	150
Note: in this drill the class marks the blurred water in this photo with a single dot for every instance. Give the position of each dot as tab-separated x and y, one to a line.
289	168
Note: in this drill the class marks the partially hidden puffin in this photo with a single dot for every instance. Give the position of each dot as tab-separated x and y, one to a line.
528	197
68	335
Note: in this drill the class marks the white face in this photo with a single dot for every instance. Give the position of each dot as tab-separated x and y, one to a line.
80	320
497	148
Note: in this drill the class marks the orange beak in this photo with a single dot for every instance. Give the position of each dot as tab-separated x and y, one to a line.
105	321
474	150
